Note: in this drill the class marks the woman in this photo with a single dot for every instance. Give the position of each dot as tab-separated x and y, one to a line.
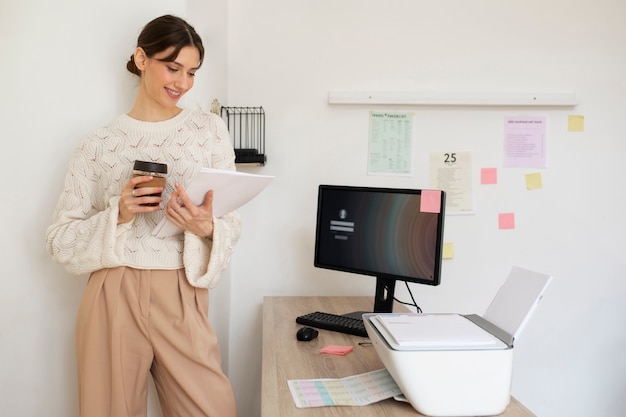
145	306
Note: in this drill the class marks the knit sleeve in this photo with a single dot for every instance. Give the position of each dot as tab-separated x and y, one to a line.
205	259
84	236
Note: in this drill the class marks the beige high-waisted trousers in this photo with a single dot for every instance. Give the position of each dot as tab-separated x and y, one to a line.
135	322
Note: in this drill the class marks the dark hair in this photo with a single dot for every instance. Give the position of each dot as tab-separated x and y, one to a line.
163	33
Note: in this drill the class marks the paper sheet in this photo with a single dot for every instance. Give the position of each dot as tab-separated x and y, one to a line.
362	389
524	142
533	181
448	250
433	331
506	221
390	143
336	350
452	173
231	190
430	202
489	175
575	123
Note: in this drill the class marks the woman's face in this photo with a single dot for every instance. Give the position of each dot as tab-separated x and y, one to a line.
166	82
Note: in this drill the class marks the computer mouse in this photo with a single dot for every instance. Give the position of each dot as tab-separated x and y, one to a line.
306	334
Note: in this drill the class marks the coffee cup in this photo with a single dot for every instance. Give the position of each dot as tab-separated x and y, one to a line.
157	170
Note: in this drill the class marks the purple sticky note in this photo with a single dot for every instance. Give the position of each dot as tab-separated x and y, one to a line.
430	201
506	221
488	175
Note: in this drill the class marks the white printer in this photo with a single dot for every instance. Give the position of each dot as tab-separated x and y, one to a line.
458	365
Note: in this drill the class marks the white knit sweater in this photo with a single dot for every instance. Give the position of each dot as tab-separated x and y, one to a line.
85	236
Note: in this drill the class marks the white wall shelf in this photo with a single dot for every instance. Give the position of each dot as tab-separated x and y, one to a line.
452	98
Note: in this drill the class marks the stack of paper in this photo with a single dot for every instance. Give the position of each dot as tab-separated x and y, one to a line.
231	190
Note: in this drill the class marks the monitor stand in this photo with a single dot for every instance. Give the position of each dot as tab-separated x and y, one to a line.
383	300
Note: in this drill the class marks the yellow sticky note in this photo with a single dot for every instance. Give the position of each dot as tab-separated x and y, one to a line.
448	250
575	123
533	181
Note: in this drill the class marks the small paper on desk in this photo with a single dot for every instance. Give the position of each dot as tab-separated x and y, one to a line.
362	389
336	350
231	190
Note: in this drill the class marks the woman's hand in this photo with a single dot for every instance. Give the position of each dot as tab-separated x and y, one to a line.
138	200
181	211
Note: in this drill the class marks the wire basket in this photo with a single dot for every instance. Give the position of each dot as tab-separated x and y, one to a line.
246	126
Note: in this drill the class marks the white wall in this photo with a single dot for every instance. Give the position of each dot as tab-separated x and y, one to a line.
63	71
287	55
63	74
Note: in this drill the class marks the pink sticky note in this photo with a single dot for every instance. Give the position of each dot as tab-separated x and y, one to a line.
506	221
430	201
336	349
488	175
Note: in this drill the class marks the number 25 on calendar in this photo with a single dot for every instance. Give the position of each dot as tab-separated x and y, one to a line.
449	158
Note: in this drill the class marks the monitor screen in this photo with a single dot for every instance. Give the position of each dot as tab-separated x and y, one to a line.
382	232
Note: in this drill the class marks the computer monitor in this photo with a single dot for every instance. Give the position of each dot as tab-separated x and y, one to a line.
386	233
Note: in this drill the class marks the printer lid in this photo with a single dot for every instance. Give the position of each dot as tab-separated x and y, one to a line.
503	321
516	300
413	331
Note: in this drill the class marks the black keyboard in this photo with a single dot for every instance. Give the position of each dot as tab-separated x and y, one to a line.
334	322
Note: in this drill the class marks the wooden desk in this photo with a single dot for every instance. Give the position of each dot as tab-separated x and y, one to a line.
285	358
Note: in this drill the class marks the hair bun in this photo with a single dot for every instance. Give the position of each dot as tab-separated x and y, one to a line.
132	67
